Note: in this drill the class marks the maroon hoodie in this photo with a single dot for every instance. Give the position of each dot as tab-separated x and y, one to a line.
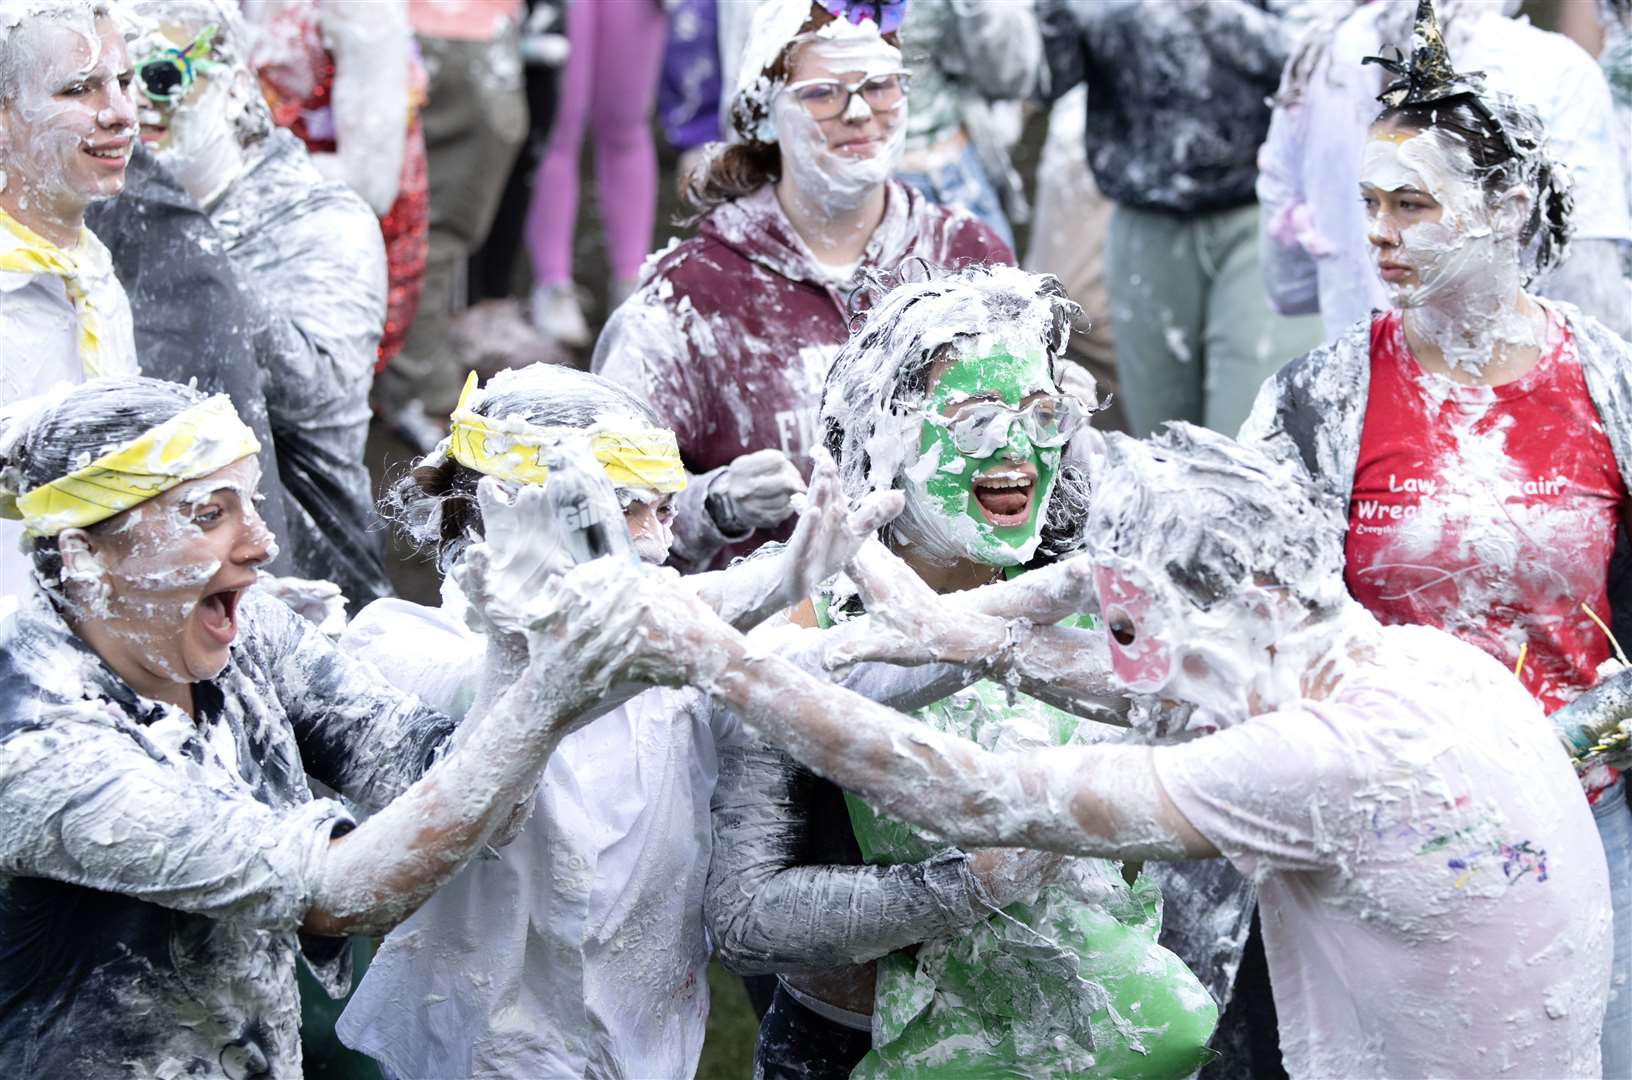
731	332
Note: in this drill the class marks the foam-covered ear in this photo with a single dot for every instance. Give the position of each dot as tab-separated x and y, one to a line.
1510	211
80	561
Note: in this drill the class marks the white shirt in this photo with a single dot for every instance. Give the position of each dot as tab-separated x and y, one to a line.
1309	164
39	348
578	949
1434	898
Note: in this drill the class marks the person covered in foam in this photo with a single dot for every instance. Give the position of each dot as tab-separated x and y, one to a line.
730	332
1412	822
309	254
1313	229
578	949
67	126
162	857
1478	436
1015	961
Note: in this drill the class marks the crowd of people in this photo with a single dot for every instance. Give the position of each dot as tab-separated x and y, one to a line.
1197	652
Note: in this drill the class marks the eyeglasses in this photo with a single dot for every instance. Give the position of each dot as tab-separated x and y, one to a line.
168	77
828	99
979	430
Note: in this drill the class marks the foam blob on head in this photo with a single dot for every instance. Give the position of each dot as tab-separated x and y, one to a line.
1206	553
436	504
948	393
66	119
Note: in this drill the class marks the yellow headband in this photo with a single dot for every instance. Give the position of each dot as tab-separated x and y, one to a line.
510	449
196	442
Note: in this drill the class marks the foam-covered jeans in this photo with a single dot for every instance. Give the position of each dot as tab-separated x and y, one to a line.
1614	820
963	182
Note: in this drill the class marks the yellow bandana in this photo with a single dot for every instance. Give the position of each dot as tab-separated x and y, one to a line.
206	437
24	251
511	449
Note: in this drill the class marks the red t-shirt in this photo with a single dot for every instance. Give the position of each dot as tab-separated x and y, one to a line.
1489	512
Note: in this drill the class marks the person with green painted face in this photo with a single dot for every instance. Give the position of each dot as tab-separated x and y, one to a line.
1028	963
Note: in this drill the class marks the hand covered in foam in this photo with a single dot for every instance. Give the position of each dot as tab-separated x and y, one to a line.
908	623
1013	874
522	550
610	622
754	492
829	534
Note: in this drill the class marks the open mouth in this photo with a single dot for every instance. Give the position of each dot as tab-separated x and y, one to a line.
1004	496
110	152
218	614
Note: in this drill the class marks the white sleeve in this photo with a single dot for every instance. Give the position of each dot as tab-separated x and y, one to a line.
422	650
1271	794
370	47
1291	276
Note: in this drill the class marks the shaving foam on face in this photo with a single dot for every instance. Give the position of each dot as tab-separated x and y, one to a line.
942	518
44	165
202	149
836	182
1466	273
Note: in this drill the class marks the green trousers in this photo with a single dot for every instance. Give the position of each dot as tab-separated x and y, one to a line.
475	120
1195	336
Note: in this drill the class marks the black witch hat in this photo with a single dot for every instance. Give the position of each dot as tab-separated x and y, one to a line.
1429	76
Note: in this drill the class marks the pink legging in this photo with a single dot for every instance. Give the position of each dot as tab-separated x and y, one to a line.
611	82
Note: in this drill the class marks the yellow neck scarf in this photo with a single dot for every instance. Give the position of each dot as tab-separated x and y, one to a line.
24	251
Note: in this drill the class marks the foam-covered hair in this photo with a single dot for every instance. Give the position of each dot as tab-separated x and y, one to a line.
46	438
14	14
869	415
1213	514
434	505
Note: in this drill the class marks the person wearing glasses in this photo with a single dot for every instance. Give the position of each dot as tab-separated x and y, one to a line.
730	333
894	948
309	254
66	131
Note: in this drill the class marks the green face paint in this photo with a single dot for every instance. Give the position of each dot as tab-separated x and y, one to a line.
988	369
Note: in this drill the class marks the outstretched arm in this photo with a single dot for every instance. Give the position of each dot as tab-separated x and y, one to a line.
1085	800
999	630
1094	800
542	686
827	536
772	907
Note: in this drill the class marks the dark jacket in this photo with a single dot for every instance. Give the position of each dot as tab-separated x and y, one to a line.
1177	93
190	319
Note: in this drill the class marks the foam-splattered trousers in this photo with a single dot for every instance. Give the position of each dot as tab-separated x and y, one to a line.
1614	820
1195	336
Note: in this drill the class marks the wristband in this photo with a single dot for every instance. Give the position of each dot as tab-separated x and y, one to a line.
721	511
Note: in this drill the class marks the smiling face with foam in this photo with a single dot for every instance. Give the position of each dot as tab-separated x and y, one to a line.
67	132
837	163
986	505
